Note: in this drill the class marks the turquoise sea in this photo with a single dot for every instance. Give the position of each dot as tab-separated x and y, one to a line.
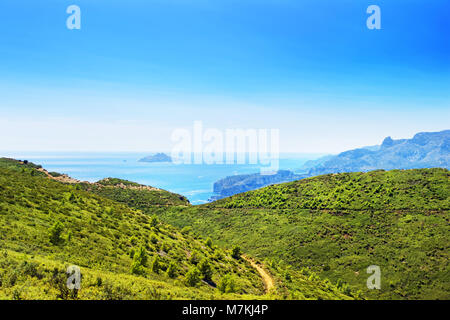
193	181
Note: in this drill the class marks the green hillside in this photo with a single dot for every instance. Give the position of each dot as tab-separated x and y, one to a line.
426	189
136	194
337	225
124	253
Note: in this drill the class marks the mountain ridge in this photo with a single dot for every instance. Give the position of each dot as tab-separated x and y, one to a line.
424	150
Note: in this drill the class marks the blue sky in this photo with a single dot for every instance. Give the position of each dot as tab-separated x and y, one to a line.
137	70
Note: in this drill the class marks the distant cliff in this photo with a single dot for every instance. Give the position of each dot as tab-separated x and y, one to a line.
245	182
424	150
159	157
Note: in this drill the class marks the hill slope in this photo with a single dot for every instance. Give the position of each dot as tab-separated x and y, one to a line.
139	195
338	225
104	238
46	225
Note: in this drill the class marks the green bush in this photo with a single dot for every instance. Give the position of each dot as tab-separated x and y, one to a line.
139	261
195	258
236	252
227	284
153	239
154	222
55	232
156	264
193	277
209	243
172	270
205	269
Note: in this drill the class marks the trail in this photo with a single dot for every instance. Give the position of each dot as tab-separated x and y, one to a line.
267	278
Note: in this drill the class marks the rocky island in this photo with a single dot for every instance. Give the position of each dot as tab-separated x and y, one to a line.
158	157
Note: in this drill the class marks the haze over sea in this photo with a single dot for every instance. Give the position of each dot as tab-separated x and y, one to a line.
194	181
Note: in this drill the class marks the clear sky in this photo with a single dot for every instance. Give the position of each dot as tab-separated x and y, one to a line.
137	70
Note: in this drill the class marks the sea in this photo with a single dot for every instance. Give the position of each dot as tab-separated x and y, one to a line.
194	181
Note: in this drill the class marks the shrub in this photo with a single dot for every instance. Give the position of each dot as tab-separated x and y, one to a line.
195	258
156	264
55	232
139	261
172	270
205	269
208	243
287	276
69	236
133	240
236	252
227	284
153	239
141	256
186	230
192	277
154	222
137	269
29	269
165	247
58	280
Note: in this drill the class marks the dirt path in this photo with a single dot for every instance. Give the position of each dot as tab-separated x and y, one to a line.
267	278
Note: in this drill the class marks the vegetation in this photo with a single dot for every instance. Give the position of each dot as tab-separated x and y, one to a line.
123	253
37	214
335	226
315	237
55	233
425	189
137	195
227	284
236	252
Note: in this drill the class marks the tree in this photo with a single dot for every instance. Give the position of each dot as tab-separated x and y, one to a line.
208	243
287	276
156	264
154	222
195	258
205	269
72	197
236	252
141	256
172	270
227	284
153	239
139	261
192	277
55	232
